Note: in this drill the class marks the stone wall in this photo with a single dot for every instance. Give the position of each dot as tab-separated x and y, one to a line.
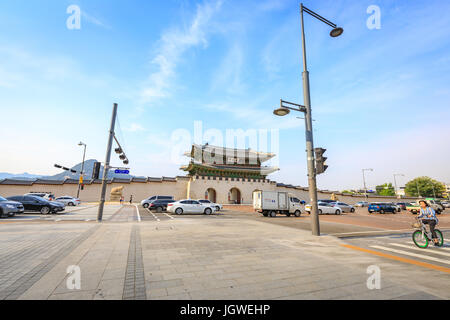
176	187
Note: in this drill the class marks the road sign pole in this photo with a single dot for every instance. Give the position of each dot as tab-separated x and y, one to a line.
106	167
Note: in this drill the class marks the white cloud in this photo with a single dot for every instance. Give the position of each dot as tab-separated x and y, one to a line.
135	127
173	44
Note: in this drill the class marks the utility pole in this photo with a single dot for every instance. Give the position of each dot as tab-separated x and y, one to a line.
106	167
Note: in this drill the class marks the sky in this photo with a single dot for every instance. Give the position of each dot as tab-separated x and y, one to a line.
193	71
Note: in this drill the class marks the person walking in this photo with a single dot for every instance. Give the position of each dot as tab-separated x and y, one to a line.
131	199
121	200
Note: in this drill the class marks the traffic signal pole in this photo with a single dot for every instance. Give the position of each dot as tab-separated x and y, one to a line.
106	166
312	186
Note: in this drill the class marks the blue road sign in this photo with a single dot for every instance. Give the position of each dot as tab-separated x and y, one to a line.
122	171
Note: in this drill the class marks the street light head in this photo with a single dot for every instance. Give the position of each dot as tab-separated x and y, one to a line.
336	32
81	144
281	112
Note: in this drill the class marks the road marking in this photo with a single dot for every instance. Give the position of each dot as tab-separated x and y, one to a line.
405	260
168	215
412	254
432	250
138	215
157	219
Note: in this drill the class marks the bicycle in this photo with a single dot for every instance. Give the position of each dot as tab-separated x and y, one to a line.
421	237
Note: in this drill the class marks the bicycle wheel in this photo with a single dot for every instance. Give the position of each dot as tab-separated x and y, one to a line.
420	239
440	237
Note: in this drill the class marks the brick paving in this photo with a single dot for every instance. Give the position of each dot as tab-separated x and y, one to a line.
189	257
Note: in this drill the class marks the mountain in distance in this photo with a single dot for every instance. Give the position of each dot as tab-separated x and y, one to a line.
88	169
19	176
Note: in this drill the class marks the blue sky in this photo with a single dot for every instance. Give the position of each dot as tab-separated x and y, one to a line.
380	97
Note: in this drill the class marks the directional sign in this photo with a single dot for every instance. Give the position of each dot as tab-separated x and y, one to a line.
122	171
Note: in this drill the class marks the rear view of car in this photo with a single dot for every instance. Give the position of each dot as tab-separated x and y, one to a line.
159	205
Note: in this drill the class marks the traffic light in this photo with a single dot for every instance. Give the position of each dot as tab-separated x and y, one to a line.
321	167
96	170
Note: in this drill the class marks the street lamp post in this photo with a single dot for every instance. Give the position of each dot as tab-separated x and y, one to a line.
312	187
395	181
82	168
364	182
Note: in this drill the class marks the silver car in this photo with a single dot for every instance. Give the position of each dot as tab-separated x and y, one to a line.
68	201
345	207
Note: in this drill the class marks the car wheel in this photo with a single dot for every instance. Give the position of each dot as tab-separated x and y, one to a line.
352	210
45	210
265	214
381	211
208	211
70	204
272	214
159	209
320	211
217	208
288	214
297	213
338	212
179	211
145	205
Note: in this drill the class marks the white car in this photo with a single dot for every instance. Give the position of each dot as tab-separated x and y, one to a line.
189	206
326	208
209	204
68	201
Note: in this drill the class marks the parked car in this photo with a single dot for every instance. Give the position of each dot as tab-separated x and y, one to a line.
397	207
189	206
446	204
327	208
209	203
34	203
402	205
68	201
345	207
159	205
382	207
46	196
146	202
440	204
414	207
362	204
10	208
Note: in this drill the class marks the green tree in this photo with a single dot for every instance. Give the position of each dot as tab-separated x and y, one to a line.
385	189
424	187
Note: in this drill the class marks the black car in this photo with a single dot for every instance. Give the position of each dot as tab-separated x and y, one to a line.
159	205
33	203
9	208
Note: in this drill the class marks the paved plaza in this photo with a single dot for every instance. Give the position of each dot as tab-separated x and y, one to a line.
135	254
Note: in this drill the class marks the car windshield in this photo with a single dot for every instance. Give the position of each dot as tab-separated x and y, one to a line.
3	199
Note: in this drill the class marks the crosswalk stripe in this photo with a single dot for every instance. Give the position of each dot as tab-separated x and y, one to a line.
412	254
429	249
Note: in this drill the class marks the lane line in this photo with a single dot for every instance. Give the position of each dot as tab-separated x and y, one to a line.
405	260
137	211
431	250
157	219
421	256
168	216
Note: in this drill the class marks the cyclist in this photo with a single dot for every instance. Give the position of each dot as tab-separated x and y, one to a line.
428	216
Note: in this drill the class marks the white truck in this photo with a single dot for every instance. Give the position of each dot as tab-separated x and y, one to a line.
271	203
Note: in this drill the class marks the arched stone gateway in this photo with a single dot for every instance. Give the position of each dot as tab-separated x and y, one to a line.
211	195
234	196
